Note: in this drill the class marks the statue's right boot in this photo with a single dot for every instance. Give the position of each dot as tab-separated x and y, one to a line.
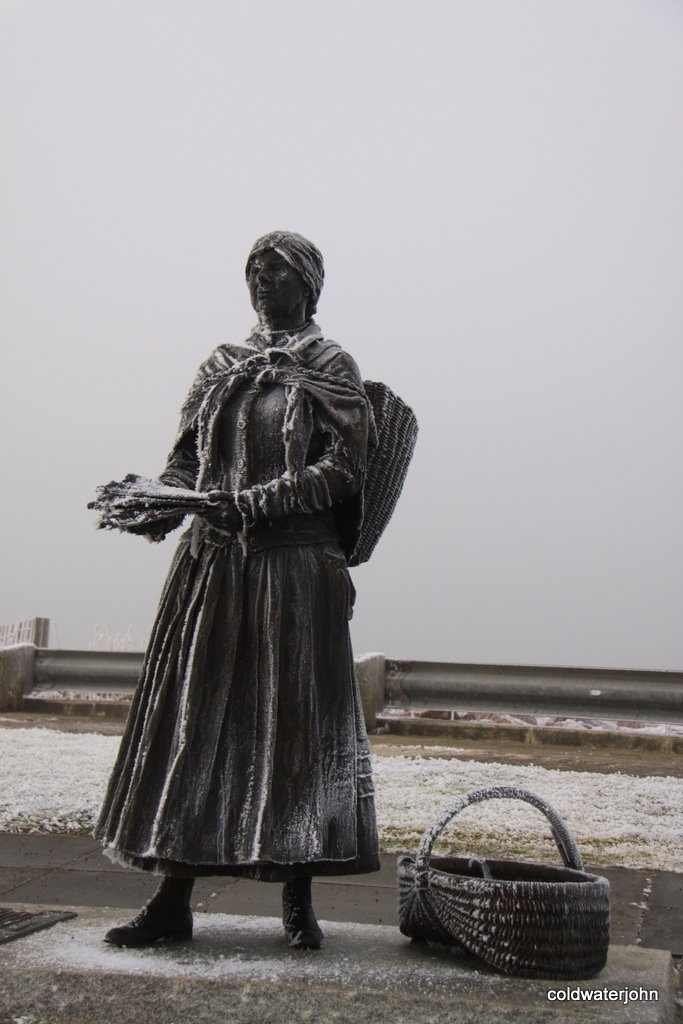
167	917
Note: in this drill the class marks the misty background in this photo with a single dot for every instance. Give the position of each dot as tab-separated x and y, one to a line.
496	190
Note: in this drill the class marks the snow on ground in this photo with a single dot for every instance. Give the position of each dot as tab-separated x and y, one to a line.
616	819
54	782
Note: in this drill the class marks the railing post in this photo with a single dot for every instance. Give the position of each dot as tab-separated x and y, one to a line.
41	632
370	673
16	675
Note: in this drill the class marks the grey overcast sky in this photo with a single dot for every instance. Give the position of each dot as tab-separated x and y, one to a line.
496	187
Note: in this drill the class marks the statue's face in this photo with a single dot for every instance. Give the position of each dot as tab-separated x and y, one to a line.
275	287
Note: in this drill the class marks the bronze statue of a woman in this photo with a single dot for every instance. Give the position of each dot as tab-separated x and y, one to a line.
245	751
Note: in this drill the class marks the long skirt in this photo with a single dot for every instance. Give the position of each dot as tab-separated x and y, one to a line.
245	750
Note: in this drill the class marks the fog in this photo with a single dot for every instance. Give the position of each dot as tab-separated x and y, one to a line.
496	189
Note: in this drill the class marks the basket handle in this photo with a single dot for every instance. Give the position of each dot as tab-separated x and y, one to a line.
564	840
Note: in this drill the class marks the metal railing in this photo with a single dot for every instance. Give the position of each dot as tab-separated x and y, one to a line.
100	671
593	693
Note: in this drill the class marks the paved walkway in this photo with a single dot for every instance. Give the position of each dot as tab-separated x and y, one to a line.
58	870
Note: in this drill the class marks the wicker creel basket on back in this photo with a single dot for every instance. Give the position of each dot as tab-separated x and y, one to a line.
387	465
525	919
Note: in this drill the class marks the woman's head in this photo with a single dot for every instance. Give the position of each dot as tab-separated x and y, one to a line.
297	253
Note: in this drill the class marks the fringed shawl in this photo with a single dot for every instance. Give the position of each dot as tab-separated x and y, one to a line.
302	365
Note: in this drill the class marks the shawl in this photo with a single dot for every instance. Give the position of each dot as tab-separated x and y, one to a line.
342	400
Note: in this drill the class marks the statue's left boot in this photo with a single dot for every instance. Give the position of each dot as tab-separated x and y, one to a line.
298	916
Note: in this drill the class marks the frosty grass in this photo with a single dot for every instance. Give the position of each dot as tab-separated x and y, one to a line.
54	782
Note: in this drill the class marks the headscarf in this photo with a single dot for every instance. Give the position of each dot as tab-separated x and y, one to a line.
300	254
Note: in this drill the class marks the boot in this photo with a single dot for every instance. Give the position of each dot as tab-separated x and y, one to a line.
167	916
298	916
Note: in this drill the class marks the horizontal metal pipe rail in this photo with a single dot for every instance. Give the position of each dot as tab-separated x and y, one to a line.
608	693
100	671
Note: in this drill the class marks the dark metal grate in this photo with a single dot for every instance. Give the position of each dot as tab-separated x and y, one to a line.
16	923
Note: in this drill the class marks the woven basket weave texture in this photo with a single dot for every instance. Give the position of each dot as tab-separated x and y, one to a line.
387	465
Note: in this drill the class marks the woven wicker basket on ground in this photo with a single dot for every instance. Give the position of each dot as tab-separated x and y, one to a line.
525	919
387	465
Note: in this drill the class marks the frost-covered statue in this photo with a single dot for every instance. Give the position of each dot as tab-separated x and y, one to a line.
245	751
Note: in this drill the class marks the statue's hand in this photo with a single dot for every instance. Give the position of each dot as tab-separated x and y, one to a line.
155	532
223	515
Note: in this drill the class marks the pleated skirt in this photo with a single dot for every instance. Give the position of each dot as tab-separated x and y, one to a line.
245	750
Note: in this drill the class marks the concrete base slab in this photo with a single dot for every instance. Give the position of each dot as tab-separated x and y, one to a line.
661	928
239	969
